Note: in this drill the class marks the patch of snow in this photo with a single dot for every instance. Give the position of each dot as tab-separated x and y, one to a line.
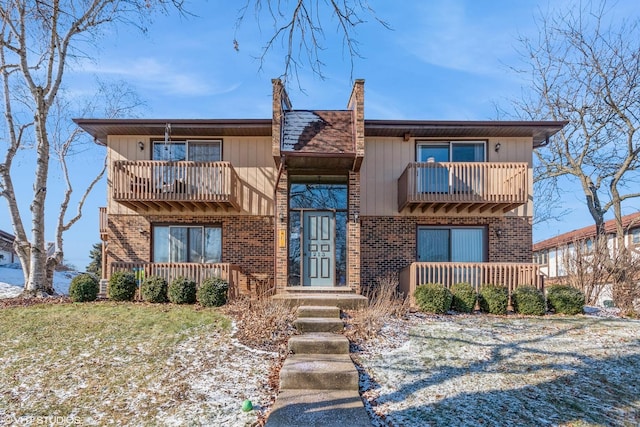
12	280
486	370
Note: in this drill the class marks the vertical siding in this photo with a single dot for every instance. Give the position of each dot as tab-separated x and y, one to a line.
250	157
386	158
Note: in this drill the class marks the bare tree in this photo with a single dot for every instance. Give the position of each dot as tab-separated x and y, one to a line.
585	68
298	26
37	40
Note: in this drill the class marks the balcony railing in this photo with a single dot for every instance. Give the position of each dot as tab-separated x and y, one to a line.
196	272
103	220
465	187
510	275
175	185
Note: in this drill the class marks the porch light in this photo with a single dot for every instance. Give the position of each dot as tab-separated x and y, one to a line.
497	147
141	145
498	233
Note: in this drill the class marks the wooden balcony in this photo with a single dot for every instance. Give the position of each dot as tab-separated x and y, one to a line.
179	186
196	272
510	275
103	220
463	187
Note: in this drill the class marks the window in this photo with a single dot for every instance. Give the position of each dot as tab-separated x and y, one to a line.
191	150
178	243
541	257
453	151
635	236
437	178
460	244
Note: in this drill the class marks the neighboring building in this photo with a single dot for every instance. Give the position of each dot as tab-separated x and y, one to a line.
552	254
7	254
319	201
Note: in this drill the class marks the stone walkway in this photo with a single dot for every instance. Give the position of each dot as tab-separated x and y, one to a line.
318	381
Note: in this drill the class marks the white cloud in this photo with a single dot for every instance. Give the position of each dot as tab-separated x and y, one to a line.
448	35
151	73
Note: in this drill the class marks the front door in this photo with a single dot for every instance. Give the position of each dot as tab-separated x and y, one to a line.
318	243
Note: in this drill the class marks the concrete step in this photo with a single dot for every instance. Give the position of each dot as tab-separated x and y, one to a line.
318	324
343	301
318	372
318	408
319	343
319	311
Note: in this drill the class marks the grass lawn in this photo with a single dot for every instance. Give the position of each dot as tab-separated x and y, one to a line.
503	371
123	363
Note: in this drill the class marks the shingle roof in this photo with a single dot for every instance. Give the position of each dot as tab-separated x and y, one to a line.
318	131
628	221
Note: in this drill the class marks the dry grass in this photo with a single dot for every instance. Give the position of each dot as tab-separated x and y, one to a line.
385	305
122	363
263	324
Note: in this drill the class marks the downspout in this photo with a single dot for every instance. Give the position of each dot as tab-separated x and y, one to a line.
275	221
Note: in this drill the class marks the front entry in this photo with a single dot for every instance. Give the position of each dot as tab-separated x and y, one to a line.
318	253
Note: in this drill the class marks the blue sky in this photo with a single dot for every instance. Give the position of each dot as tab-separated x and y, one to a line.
442	60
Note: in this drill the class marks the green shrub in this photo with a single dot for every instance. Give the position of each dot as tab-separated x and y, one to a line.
565	299
464	297
182	291
122	286
433	298
494	299
154	289
84	287
528	300
213	292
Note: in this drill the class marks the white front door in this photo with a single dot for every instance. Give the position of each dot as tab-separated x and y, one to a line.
318	245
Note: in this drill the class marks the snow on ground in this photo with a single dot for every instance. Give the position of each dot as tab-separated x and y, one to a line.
486	370
12	280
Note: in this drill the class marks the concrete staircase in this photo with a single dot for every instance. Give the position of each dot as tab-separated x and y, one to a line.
318	381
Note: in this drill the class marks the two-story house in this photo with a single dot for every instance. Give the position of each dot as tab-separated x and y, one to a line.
554	253
320	201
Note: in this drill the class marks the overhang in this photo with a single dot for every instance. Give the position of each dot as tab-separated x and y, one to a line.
540	131
99	129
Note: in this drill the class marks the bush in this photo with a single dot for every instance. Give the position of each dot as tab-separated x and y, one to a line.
84	287
154	289
182	291
494	299
464	297
528	300
122	286
565	299
433	298
213	292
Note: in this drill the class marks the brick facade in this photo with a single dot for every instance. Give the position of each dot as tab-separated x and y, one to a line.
247	241
388	244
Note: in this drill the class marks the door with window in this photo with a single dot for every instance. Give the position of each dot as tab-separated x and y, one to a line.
318	248
435	177
456	244
169	177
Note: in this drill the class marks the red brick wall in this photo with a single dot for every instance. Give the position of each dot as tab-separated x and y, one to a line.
247	241
388	244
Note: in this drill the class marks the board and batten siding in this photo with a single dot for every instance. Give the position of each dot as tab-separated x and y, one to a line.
250	157
386	159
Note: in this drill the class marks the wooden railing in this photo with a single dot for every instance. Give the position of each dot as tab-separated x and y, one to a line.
196	272
103	221
486	185
510	275
165	182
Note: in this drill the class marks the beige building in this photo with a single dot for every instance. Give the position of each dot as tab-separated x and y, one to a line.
320	201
